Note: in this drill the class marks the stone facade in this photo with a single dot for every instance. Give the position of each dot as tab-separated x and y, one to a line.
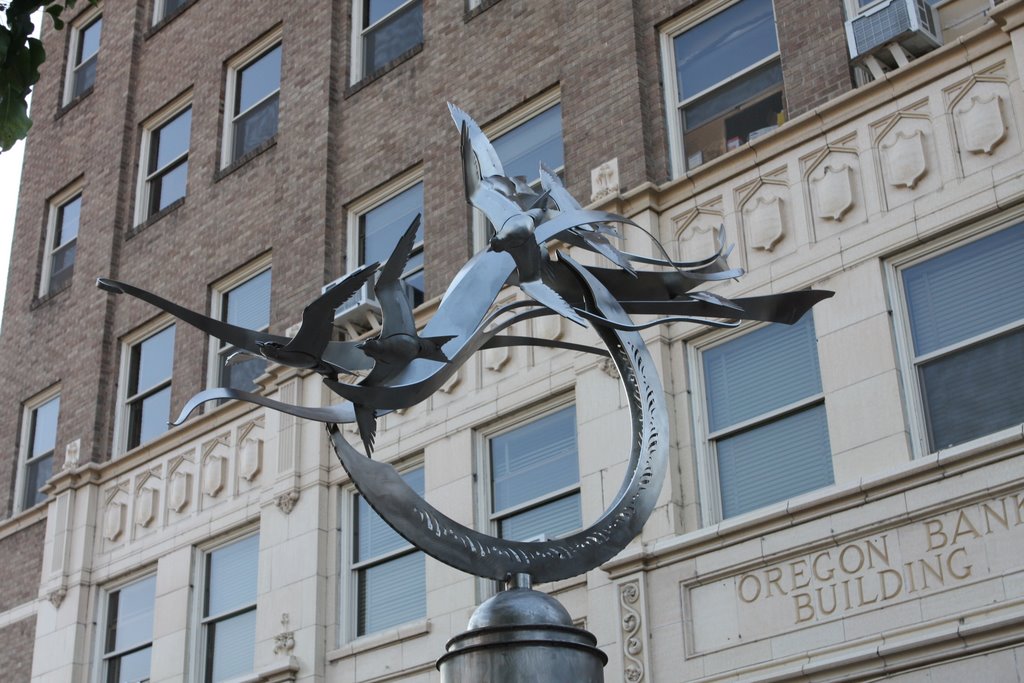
909	565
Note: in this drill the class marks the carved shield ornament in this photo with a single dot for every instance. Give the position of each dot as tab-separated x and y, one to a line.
833	191
178	491
764	222
981	122
113	521
145	506
905	160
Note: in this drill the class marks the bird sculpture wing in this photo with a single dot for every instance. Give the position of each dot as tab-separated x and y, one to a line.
318	317
366	420
394	304
483	150
483	192
232	335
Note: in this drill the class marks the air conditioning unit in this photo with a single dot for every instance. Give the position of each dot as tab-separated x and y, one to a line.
903	28
358	314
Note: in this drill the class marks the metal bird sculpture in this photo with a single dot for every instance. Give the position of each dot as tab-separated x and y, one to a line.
304	351
398	344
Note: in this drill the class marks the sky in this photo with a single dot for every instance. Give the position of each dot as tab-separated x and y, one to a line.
10	179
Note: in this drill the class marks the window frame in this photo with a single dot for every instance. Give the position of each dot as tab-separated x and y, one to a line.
357	61
100	659
487	520
160	12
218	291
377	198
198	622
709	484
348	583
506	124
916	413
78	25
122	415
73	191
673	105
143	189
263	45
28	411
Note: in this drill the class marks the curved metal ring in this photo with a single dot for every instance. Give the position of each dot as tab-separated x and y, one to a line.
483	555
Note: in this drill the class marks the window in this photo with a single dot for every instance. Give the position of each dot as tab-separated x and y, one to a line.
165	143
389	582
39	437
523	140
763	426
244	301
382	226
229	609
535	478
383	30
724	80
166	8
61	241
147	402
254	85
965	318
128	636
84	50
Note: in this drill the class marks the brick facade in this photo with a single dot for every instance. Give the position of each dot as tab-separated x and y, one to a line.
16	650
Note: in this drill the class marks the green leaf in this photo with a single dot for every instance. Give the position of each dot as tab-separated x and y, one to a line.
5	41
14	121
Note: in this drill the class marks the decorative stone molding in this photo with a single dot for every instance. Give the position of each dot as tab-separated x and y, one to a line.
179	491
287	500
452	382
214	475
604	180
113	521
548	327
608	367
145	506
765	221
905	160
284	642
833	189
250	458
72	453
56	596
693	231
634	639
981	121
905	147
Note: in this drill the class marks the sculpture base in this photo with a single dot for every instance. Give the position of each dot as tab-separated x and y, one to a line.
522	635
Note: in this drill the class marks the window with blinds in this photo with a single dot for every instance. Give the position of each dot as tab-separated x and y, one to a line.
766	431
535	479
128	633
229	609
389	573
965	310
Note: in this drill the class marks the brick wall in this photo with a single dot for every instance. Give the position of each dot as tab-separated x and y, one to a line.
815	57
16	650
21	560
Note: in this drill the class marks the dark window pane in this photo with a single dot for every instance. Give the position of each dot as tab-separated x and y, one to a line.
535	459
168	188
523	148
241	374
393	37
975	391
68	218
968	291
414	284
84	77
381	227
62	265
89	41
152	361
255	127
148	417
554	519
375	9
131	668
231	576
130	616
373	536
171	140
724	45
231	644
773	462
764	370
44	428
392	593
732	97
36	474
258	79
172	6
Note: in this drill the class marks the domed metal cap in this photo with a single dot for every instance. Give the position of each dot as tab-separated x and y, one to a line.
519	607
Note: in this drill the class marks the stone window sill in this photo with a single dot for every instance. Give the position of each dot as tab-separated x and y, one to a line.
64	109
51	295
478	10
374	641
170	208
390	66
